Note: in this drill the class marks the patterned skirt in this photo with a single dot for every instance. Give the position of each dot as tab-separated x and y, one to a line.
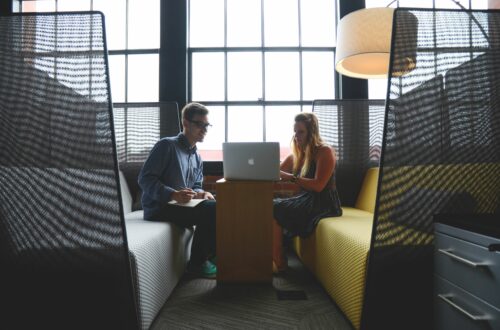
300	214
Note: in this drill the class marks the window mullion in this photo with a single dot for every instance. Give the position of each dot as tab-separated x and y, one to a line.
301	84
126	48
263	77
226	110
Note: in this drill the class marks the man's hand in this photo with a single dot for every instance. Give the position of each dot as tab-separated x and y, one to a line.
204	195
183	195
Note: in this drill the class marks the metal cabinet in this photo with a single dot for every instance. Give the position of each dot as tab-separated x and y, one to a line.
466	279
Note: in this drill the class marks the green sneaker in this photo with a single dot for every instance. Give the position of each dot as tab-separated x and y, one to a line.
206	270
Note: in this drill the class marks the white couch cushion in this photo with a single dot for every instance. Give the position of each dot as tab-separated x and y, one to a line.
159	252
136	215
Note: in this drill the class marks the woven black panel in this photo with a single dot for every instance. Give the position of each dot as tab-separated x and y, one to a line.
354	128
63	252
139	126
441	155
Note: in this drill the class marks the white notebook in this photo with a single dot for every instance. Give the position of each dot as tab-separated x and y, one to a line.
191	203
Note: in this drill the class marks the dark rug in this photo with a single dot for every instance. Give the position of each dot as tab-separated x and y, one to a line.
202	304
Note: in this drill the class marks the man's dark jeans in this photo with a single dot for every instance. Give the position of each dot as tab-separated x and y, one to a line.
203	217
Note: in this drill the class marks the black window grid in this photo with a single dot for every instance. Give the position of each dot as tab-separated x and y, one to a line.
126	51
301	102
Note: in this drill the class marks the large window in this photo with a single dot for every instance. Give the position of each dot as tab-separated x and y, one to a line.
377	88
257	63
133	40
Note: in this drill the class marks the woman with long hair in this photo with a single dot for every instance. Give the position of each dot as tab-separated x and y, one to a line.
311	166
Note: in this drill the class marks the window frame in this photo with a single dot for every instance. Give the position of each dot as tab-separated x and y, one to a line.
174	64
17	5
263	50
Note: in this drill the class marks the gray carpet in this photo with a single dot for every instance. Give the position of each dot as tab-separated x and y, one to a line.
202	304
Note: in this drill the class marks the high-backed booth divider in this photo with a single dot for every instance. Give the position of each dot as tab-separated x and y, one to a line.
63	248
337	251
440	156
159	251
138	126
354	128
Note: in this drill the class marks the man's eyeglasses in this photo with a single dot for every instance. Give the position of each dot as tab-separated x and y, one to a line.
201	124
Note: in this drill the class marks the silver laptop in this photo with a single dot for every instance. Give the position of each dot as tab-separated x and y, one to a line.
251	161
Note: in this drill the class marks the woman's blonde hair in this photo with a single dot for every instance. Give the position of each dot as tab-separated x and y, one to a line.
304	156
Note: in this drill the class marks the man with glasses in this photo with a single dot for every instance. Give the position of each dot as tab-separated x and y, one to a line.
173	174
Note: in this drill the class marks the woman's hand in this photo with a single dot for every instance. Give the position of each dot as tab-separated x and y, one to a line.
285	176
183	195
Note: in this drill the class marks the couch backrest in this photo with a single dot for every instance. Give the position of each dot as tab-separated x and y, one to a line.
126	196
138	126
131	173
368	192
354	128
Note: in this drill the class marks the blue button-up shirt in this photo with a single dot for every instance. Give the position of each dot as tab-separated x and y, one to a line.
172	165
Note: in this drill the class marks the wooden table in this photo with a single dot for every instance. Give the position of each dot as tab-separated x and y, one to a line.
244	231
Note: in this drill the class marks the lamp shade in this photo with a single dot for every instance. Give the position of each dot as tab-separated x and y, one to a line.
364	44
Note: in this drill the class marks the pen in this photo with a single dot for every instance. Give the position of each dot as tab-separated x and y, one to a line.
190	190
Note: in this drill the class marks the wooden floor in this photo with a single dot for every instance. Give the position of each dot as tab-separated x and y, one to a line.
202	304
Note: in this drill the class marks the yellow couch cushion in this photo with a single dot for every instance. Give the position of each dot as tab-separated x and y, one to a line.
342	246
368	192
337	253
